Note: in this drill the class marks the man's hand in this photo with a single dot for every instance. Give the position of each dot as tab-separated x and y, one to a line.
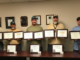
48	38
75	40
9	39
62	38
29	39
18	39
38	39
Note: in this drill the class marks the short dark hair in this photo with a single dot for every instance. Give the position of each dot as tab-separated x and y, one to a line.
78	18
55	17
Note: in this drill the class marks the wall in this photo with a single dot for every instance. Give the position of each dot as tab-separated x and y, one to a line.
68	11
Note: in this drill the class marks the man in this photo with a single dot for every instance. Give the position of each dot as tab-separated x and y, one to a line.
55	25
33	28
17	42
1	42
76	42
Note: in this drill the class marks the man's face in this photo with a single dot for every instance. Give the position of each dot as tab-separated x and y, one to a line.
78	22
34	22
55	20
13	26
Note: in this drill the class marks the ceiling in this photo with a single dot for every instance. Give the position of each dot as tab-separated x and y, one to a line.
14	1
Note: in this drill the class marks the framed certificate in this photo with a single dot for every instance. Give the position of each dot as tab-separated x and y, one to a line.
18	35
35	48
1	35
62	33
57	48
38	35
11	48
74	35
8	35
28	35
49	33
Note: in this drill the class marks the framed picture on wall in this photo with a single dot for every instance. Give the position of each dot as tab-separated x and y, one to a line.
0	21
49	19
24	21
8	20
38	19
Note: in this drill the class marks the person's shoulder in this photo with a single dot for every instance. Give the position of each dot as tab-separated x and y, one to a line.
18	29
50	24
29	27
74	28
61	23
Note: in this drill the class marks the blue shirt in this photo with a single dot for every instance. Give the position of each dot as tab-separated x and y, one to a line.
76	43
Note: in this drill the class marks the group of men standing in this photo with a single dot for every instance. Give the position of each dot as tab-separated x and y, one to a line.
34	27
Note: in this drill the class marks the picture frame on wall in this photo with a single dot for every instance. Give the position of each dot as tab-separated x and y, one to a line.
49	19
38	19
8	20
24	21
0	21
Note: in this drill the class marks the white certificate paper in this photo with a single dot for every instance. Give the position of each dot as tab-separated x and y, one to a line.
8	35
34	48
0	35
28	35
75	35
11	48
57	48
18	35
49	21
38	35
62	33
49	33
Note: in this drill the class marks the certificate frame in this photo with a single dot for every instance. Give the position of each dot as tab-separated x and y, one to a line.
49	18
6	21
27	32
34	44
36	32
62	37
17	32
2	35
7	32
57	52
38	19
48	30
70	34
7	47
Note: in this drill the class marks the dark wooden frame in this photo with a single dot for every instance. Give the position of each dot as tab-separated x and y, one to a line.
70	34
26	22
2	35
61	37
11	52
7	32
26	32
14	35
40	19
46	18
6	21
0	22
36	32
34	44
57	52
48	30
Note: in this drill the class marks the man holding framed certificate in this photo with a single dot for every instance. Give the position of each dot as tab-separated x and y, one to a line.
17	41
76	42
55	25
34	28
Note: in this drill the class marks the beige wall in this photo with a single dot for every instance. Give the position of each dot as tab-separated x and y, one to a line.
68	11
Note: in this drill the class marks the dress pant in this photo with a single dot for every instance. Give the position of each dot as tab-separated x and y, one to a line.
1	46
